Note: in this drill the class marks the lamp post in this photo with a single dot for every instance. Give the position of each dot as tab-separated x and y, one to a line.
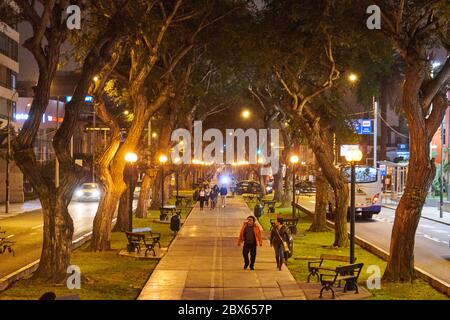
131	159
162	161
352	156
293	160
177	161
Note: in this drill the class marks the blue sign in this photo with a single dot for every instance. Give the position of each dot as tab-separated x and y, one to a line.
383	170
363	126
86	99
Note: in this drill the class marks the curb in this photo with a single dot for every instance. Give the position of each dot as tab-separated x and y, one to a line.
438	284
428	218
29	269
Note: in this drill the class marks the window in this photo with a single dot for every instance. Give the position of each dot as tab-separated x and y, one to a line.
363	174
9	47
7	78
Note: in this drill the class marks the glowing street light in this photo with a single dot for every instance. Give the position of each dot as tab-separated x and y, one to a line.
245	114
95	79
352	77
131	157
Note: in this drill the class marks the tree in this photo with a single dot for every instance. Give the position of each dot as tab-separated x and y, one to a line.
415	29
49	34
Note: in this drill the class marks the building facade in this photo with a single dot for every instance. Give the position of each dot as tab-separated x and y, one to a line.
9	68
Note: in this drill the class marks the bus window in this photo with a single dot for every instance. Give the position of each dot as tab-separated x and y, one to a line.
363	174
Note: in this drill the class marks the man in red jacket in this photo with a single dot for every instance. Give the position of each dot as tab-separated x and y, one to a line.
251	237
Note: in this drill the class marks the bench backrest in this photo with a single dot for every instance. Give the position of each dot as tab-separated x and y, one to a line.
334	257
132	236
345	270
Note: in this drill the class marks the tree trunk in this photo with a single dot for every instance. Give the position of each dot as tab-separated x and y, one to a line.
287	190
123	219
320	211
156	192
319	141
144	195
57	240
278	186
101	233
400	265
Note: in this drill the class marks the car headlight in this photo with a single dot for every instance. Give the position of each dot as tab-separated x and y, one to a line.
78	193
96	193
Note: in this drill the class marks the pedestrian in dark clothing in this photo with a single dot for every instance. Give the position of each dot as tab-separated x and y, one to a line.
250	235
202	196
279	237
213	197
223	195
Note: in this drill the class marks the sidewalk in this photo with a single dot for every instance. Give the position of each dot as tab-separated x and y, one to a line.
428	212
204	263
19	208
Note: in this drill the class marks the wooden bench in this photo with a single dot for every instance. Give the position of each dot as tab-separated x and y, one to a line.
6	245
315	265
349	273
166	212
148	239
270	205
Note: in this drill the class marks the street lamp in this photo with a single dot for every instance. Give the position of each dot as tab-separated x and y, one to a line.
131	159
177	161
352	77
245	114
293	160
352	156
162	160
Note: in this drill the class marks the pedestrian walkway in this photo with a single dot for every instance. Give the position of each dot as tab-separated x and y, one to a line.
19	208
204	263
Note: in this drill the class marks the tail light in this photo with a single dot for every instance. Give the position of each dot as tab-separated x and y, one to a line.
375	198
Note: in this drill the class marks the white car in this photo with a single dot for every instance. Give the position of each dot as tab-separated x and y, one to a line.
87	192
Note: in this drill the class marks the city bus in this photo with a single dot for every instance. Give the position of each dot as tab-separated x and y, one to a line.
368	190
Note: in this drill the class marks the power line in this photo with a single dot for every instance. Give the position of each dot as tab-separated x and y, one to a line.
390	127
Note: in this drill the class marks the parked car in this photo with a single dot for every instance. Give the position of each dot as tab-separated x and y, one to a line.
305	187
248	186
88	192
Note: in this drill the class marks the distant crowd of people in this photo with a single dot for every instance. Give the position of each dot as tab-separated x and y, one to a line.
208	197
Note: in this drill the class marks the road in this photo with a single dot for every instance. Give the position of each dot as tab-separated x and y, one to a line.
26	230
431	252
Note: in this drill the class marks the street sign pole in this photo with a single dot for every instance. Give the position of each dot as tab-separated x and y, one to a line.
375	131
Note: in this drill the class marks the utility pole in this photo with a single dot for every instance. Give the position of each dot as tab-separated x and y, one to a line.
441	173
8	155
375	131
56	158
93	144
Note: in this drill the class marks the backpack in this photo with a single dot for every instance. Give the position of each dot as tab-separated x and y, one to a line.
175	223
196	195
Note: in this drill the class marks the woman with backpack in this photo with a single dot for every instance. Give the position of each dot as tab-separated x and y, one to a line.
279	238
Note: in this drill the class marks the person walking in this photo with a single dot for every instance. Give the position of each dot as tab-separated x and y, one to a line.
202	195
279	238
223	195
250	236
214	195
207	194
